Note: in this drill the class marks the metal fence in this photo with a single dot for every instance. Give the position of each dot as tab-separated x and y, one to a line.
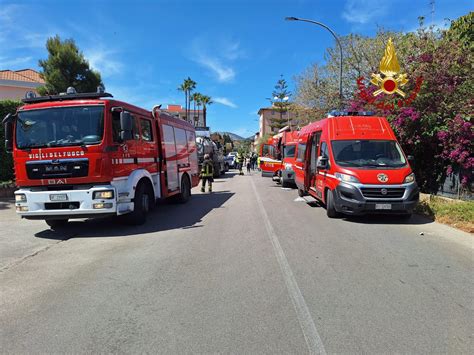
452	188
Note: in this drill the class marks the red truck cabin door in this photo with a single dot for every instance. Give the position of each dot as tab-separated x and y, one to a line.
171	157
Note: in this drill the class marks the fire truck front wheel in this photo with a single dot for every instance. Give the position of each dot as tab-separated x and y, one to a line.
56	223
330	206
141	205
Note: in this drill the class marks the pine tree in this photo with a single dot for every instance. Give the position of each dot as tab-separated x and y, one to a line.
280	103
66	66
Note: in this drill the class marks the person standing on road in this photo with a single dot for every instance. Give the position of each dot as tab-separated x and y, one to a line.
207	173
240	160
249	165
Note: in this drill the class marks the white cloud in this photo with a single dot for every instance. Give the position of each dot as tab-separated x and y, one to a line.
224	101
363	11
223	73
217	55
102	60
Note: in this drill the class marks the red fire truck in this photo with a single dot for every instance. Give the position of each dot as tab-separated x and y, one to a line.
278	155
87	155
354	165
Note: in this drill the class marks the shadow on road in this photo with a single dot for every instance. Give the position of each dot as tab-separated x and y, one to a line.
228	175
387	219
165	216
6	204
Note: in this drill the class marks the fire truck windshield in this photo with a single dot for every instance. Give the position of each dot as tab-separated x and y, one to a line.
368	153
60	127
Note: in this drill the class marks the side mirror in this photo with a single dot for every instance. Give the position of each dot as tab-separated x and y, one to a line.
8	123
125	126
322	163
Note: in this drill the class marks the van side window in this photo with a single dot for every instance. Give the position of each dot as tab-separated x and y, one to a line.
116	127
147	133
301	151
324	150
314	150
135	129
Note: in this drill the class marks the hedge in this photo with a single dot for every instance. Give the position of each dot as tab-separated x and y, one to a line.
6	161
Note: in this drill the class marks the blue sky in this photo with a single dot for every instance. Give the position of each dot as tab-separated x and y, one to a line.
234	49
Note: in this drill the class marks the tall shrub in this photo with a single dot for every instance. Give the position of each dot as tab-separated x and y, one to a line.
6	161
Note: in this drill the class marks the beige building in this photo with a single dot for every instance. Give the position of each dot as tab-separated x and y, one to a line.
15	84
197	116
266	115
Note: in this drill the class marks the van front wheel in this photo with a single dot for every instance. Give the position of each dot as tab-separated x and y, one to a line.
330	207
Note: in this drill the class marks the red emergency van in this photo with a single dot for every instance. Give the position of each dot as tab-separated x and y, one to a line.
278	155
270	157
289	148
87	155
354	165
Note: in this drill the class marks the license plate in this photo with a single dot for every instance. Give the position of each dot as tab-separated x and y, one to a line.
58	197
383	206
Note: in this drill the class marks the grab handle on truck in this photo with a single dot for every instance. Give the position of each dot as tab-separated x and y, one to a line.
8	123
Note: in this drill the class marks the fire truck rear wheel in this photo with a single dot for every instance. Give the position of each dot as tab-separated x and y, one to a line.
185	193
56	223
141	205
330	208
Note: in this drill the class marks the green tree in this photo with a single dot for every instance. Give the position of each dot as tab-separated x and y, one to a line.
280	102
205	101
66	66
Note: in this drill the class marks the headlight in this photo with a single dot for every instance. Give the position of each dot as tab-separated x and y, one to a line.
107	194
288	166
20	198
409	178
346	178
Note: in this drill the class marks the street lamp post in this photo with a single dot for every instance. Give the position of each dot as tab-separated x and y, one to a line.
338	42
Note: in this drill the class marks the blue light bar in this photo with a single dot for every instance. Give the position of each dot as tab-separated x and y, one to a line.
336	113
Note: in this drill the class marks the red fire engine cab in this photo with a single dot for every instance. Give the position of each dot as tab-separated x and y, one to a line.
278	155
87	155
354	165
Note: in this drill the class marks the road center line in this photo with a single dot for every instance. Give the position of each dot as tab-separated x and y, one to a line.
313	340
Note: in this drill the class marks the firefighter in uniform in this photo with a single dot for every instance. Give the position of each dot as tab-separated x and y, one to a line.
240	160
207	173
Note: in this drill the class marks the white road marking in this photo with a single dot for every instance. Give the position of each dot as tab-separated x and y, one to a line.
299	199
310	333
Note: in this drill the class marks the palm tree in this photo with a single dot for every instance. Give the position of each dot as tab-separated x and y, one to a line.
187	86
196	98
205	101
191	84
184	88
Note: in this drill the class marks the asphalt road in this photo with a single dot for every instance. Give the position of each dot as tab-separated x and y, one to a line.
250	268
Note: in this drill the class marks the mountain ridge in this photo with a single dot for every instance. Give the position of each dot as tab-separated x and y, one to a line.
233	136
